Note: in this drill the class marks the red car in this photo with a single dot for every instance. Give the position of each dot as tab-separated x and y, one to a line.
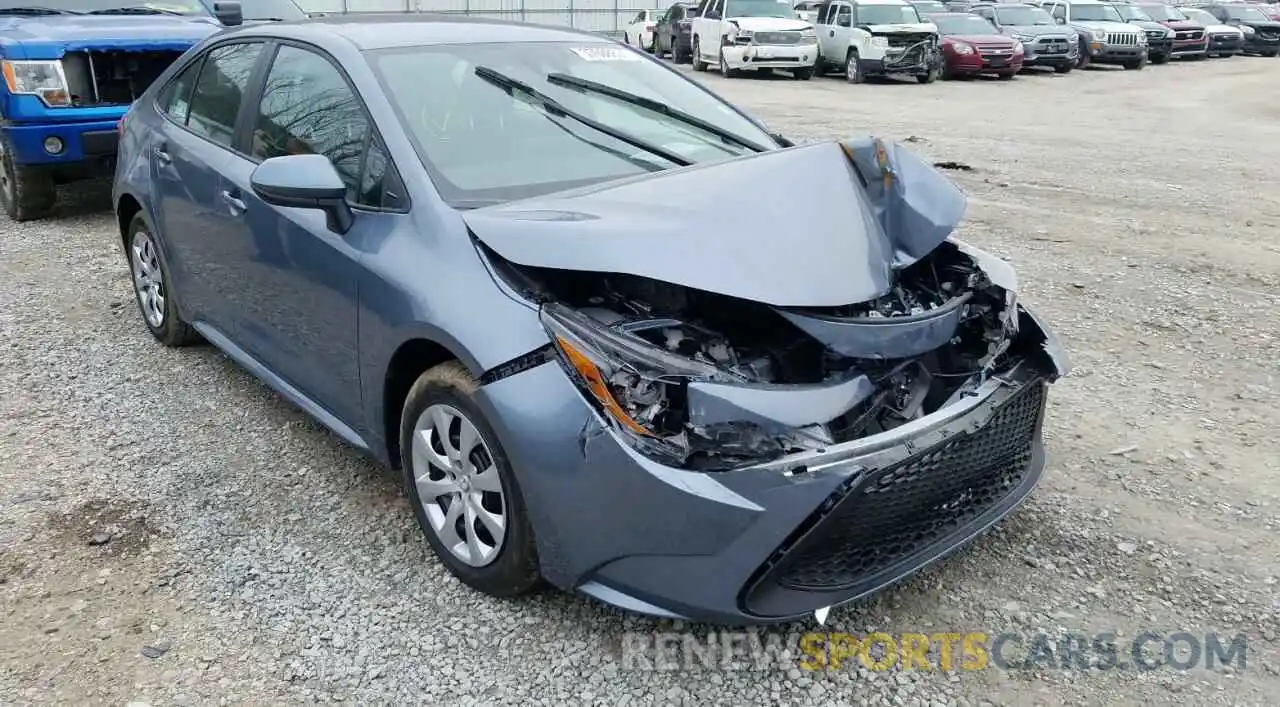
1191	40
971	45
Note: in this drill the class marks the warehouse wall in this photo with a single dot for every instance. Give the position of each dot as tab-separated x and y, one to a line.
606	16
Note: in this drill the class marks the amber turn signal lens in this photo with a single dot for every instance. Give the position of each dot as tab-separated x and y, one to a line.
596	384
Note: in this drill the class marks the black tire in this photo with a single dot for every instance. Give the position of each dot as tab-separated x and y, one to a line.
1007	75
515	569
626	39
1135	65
1063	68
802	74
171	330
852	71
1159	58
27	192
1272	54
695	56
929	77
676	55
1083	60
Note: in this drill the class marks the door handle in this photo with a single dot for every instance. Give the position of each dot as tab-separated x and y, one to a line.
832	33
162	156
235	202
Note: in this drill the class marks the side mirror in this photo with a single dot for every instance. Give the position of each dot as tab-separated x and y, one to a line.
304	182
228	12
1060	20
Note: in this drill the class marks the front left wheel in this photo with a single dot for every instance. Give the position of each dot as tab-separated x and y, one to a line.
460	483
151	287
27	192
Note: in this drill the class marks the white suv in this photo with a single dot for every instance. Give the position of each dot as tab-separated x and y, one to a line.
748	35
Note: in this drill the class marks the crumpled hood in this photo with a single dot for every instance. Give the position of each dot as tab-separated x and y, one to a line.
770	24
903	28
820	225
35	36
1222	29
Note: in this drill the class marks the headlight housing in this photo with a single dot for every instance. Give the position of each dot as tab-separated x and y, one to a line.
1142	38
1099	35
639	389
1018	48
38	78
880	42
961	48
808	36
1246	30
743	36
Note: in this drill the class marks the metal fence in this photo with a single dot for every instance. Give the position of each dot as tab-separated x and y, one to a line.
608	17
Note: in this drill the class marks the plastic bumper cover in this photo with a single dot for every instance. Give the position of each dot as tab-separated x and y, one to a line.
81	142
753	56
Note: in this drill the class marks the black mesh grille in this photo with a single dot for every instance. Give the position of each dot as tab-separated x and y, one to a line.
902	509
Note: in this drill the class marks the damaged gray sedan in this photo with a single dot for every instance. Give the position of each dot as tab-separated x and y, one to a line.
555	290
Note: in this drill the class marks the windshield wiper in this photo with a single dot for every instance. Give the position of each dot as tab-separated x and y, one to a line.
650	104
550	105
34	10
134	10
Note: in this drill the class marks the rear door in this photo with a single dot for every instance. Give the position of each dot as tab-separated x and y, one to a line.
298	277
201	107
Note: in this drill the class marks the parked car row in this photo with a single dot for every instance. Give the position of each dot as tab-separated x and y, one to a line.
929	39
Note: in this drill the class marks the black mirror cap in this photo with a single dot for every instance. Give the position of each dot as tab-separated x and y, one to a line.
228	12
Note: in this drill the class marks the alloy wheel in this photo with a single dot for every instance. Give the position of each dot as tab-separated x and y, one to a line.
148	278
458	485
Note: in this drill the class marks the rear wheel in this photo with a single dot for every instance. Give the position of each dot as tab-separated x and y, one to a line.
151	287
696	58
460	483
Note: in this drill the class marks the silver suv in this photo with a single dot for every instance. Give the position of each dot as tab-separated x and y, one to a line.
1044	42
1104	35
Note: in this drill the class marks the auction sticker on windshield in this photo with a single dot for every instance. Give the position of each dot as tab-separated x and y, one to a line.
605	53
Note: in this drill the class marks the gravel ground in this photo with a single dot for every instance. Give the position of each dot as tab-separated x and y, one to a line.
172	532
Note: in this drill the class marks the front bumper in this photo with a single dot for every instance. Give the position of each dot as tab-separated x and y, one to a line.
1049	54
980	64
87	144
1116	53
1159	47
1261	44
1225	44
773	542
1191	47
766	56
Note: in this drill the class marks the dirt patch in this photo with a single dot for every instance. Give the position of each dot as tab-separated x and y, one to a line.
113	527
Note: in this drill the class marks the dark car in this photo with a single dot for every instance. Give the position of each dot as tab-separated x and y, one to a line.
1190	40
1159	37
971	45
469	249
673	32
1261	33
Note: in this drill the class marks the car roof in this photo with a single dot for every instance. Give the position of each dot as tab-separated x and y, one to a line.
386	30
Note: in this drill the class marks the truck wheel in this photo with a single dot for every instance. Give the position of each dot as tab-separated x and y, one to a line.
1159	58
802	74
1063	68
696	58
1135	65
852	72
930	77
26	192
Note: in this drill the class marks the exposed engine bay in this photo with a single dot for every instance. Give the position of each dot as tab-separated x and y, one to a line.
706	381
113	76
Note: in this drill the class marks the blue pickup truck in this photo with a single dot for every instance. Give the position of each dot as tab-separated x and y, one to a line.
71	69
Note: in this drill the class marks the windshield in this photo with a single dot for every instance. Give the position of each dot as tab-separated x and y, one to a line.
887	15
1200	16
759	8
962	24
1133	12
1164	13
1095	13
481	145
1023	16
1248	14
928	6
174	7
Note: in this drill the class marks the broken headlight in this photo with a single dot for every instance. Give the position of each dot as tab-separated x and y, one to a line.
640	389
37	78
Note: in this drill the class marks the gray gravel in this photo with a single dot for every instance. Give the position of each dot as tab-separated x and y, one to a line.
171	532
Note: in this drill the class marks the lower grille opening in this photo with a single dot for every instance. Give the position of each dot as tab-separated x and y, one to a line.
113	76
897	512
